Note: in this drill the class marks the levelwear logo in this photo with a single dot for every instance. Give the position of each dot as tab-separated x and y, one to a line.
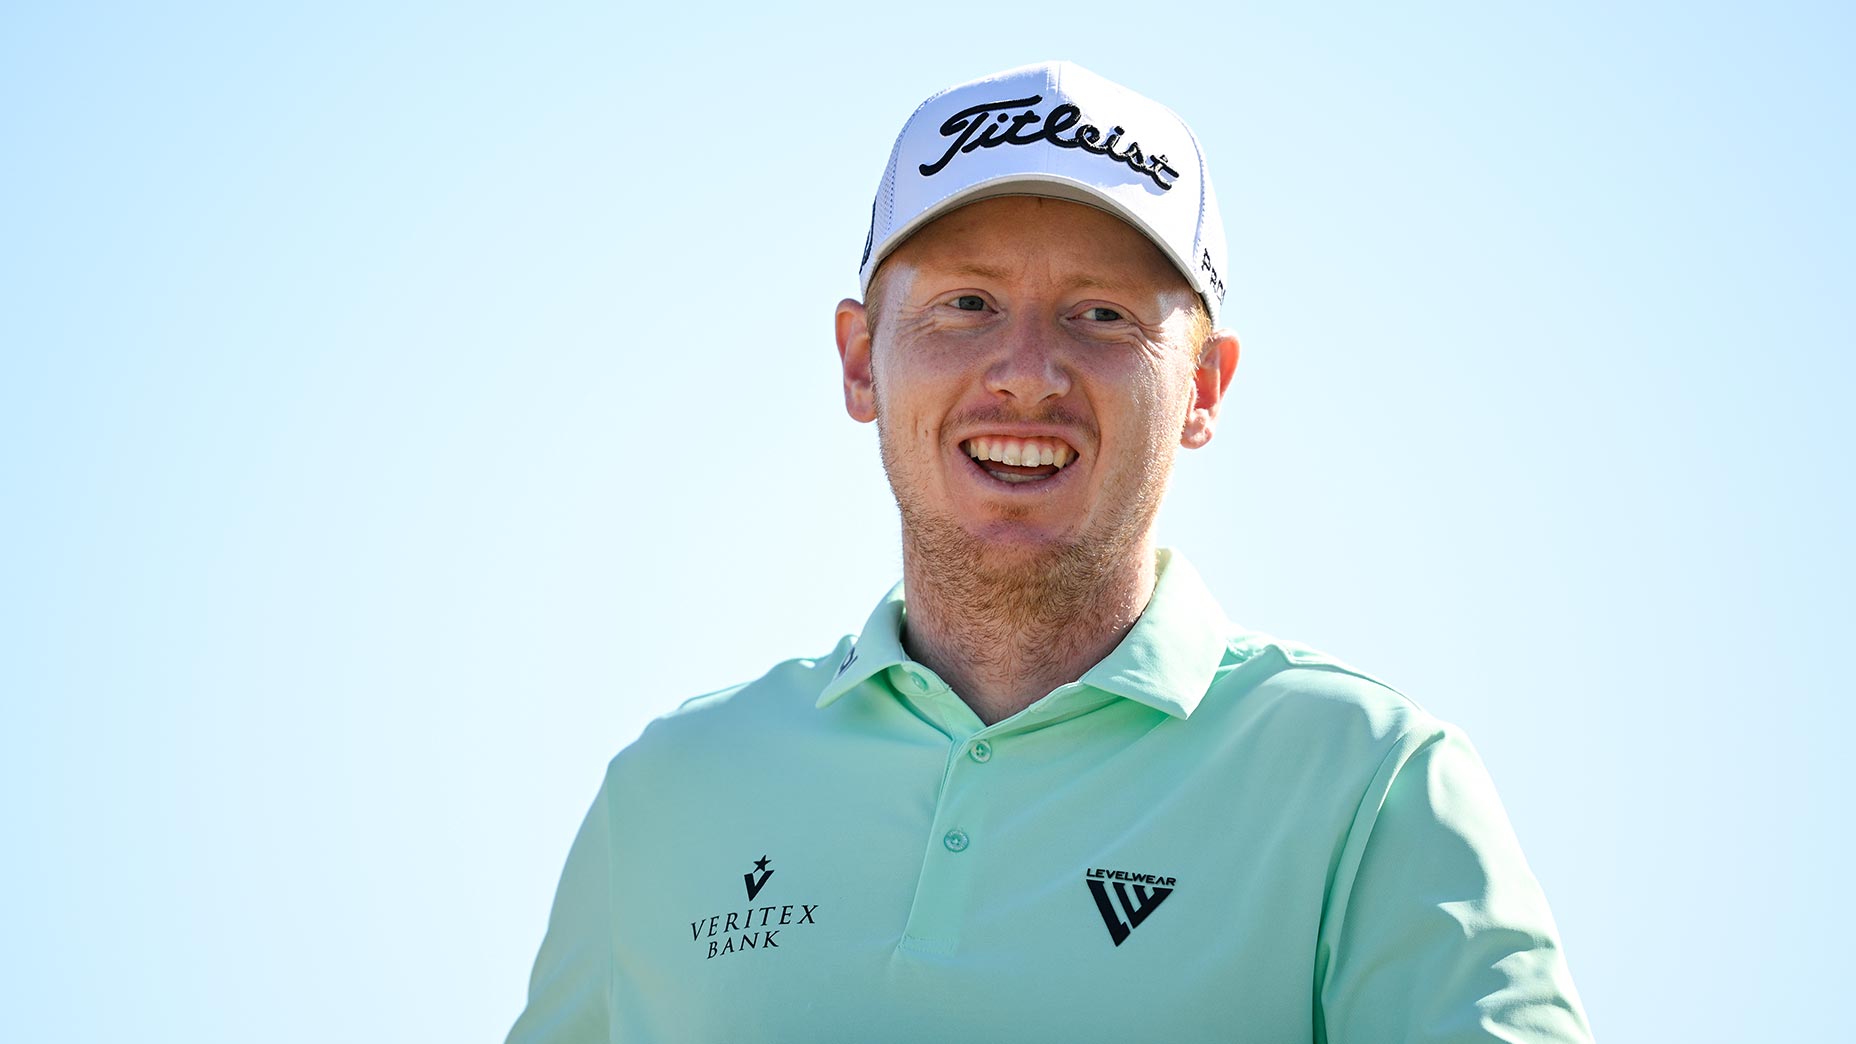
753	928
989	125
1135	897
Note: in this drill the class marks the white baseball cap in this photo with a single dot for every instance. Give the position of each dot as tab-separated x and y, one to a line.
1057	130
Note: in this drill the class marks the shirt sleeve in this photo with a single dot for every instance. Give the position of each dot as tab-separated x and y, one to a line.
1435	928
569	992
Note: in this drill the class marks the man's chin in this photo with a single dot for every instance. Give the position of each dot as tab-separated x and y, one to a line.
1016	542
997	548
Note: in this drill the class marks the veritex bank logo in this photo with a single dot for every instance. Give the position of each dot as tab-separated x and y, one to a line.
752	927
1125	900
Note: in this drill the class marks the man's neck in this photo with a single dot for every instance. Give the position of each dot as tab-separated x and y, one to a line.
1004	637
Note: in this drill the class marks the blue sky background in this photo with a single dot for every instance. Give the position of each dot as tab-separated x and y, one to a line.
400	405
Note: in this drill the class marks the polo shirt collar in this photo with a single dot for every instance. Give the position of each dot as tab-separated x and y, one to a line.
1166	661
1172	653
878	648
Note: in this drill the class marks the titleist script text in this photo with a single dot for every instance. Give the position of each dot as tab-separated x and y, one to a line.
992	124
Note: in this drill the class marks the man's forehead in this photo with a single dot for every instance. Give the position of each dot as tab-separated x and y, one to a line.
1012	237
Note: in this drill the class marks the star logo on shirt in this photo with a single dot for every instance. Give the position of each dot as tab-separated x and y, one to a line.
757	881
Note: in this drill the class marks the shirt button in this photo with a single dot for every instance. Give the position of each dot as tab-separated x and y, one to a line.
981	751
956	841
917	682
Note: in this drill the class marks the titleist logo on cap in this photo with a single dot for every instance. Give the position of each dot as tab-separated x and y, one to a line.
991	124
1058	131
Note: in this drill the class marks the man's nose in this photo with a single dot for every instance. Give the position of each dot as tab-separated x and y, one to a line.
1028	367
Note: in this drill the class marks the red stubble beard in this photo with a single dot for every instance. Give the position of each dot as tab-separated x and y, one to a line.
1042	587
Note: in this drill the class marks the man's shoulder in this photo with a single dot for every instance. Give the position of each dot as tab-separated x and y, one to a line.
775	701
1286	683
789	682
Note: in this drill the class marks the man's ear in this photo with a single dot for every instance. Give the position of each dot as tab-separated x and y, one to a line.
1210	382
854	353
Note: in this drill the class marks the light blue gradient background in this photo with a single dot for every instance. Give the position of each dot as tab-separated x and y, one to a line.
401	405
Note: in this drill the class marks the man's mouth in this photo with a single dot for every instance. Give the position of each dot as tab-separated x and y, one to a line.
1018	460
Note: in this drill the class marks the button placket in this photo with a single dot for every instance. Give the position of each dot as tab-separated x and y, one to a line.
955	854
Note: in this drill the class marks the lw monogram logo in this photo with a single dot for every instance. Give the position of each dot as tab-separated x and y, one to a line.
1129	906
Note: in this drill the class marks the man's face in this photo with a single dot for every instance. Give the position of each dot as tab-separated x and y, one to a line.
1030	375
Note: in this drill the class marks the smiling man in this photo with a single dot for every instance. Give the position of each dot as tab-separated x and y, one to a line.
1049	792
1040	360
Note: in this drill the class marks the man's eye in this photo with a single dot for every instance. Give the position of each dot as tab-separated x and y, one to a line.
970	303
1102	315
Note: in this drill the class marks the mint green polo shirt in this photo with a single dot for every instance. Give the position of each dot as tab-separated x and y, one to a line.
1211	835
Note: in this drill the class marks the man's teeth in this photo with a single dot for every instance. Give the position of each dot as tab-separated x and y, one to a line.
1020	452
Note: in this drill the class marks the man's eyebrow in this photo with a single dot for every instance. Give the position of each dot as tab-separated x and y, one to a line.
974	268
984	271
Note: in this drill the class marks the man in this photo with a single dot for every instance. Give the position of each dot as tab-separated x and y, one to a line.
1049	792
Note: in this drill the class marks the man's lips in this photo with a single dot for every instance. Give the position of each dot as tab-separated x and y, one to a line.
1019	459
